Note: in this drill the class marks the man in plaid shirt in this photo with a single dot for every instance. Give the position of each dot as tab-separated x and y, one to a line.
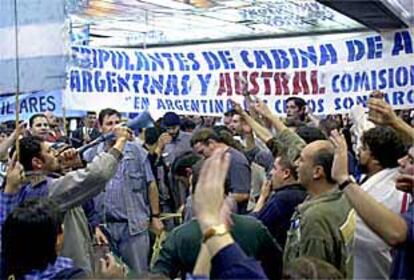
68	191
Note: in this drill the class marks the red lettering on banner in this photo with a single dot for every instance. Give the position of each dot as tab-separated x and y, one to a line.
270	83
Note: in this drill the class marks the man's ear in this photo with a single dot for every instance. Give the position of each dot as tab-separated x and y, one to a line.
286	173
318	172
375	161
37	163
188	172
210	141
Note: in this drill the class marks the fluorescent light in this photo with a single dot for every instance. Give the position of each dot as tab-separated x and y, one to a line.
169	4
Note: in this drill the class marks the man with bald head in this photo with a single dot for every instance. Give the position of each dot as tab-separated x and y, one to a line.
323	225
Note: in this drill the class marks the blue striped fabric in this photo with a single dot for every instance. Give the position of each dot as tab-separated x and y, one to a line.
42	59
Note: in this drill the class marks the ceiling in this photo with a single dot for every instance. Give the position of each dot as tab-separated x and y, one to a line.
144	23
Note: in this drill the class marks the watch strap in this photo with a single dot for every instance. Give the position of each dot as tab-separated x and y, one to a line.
219	230
345	184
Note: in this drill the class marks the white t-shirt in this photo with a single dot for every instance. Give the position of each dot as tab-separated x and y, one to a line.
372	257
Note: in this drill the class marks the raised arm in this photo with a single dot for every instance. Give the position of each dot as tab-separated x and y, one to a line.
261	132
385	115
76	187
389	226
9	141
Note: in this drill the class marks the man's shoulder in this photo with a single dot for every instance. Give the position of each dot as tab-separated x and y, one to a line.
291	193
246	223
184	137
135	148
237	156
329	212
188	233
289	189
185	134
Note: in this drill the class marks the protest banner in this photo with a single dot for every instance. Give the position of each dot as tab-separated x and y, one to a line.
332	73
34	103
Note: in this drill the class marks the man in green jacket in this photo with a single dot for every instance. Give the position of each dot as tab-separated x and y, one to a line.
323	226
180	250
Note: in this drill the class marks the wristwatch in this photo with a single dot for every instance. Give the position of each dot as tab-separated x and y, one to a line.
346	183
218	230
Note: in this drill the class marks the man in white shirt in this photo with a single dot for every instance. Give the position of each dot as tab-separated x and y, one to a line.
378	160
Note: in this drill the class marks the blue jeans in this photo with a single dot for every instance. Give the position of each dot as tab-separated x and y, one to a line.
133	249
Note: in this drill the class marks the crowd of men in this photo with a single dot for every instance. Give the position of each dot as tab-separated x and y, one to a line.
245	196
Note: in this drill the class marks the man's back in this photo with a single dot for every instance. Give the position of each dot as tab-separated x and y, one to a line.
180	249
324	228
239	177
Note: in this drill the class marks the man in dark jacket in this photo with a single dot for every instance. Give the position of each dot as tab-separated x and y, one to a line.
275	212
87	133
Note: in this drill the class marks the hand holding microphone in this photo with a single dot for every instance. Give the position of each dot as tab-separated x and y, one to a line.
144	120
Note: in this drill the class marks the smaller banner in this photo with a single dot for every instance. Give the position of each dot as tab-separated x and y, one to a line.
34	103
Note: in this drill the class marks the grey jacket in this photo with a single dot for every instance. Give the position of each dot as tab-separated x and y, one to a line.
69	192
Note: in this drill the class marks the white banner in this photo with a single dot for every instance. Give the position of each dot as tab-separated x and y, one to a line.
332	72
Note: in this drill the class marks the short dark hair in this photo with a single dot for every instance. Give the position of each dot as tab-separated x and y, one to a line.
230	113
33	117
203	135
310	134
327	125
288	164
298	101
30	147
324	157
90	113
184	161
385	145
226	137
151	135
107	112
29	237
187	124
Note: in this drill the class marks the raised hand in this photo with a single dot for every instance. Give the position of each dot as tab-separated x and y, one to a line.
340	164
262	108
266	189
236	106
381	112
69	158
122	132
164	139
209	193
14	176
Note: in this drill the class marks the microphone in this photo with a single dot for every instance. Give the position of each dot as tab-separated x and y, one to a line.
143	120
